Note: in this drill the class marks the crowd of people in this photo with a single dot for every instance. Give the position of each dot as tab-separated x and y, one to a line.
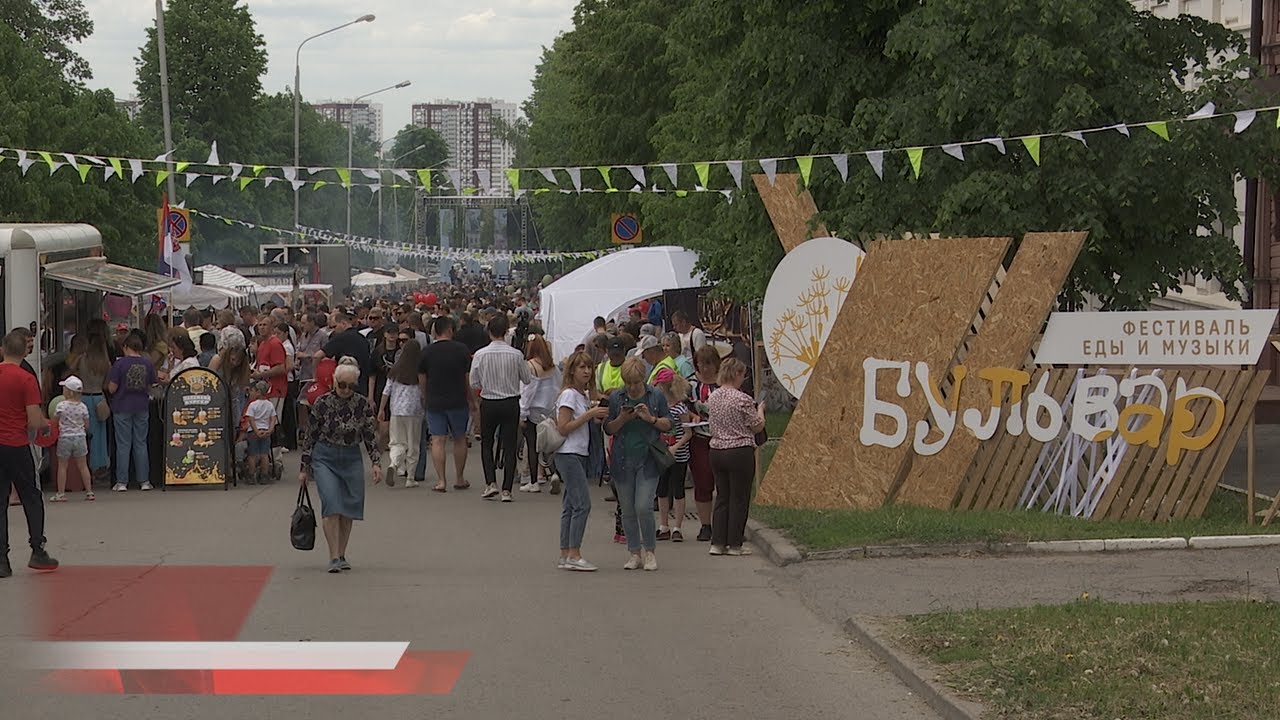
417	380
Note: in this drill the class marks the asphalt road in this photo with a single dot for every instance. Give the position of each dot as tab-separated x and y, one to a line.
703	637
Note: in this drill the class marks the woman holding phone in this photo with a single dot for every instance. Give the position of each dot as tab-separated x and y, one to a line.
638	415
574	414
735	419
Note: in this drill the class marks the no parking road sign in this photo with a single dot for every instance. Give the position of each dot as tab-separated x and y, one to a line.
626	230
179	223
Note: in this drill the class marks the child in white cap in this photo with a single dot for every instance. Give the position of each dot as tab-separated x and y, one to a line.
73	445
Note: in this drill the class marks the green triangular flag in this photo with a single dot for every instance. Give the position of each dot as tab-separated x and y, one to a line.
513	179
319	184
257	169
244	182
48	159
116	165
682	193
160	176
84	171
226	221
540	191
916	156
424	176
182	166
344	175
604	173
1033	147
806	166
1160	128
704	171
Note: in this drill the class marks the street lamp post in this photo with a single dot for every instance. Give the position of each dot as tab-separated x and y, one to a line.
297	98
394	160
351	131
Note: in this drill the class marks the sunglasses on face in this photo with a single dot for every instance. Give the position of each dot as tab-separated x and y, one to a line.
345	386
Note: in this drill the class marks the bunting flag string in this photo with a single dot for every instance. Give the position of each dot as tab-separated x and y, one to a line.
637	178
379	245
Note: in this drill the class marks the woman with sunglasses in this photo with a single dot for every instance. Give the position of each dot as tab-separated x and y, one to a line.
341	421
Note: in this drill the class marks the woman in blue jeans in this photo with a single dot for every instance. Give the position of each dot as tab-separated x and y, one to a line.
130	382
574	415
638	415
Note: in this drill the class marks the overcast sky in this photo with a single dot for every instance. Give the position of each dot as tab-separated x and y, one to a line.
446	48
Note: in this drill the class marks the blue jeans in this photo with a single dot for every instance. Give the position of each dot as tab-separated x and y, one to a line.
636	482
131	435
575	506
98	455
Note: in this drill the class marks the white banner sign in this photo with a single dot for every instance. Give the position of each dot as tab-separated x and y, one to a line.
1209	337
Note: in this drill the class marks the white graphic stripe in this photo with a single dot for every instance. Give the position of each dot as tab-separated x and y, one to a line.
218	655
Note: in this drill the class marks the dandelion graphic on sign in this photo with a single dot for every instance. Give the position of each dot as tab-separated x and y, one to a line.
799	332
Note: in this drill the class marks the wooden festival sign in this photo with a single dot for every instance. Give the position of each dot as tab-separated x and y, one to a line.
943	380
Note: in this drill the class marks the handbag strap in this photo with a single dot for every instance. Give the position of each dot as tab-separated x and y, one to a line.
304	496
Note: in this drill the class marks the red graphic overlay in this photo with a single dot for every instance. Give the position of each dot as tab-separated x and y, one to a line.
201	603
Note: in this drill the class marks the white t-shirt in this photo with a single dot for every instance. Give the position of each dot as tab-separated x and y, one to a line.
403	400
260	413
692	341
291	352
577	442
73	418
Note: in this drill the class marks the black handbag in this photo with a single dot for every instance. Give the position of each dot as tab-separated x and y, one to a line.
661	455
302	526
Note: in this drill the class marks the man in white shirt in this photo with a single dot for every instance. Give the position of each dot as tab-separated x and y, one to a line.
691	338
499	371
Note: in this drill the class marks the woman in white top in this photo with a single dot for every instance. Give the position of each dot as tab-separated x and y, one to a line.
403	398
574	413
537	402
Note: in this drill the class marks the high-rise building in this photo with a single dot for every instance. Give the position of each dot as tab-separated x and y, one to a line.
364	115
471	131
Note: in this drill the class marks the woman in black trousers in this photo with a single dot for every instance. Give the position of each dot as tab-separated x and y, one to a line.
735	419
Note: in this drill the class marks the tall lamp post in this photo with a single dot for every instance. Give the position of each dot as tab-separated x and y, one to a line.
351	132
394	162
297	97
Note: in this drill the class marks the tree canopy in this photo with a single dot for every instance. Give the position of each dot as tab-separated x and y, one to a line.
636	81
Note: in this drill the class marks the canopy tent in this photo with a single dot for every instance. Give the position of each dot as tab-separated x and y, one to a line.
203	296
223	278
372	279
407	275
609	284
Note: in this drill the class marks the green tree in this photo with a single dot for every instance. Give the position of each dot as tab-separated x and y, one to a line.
51	27
40	108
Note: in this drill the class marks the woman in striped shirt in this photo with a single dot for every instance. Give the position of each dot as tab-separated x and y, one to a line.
671	482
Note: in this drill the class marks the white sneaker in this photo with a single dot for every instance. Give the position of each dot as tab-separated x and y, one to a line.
633	563
562	563
490	491
527	487
650	561
744	550
119	487
580	565
146	486
716	550
534	488
411	483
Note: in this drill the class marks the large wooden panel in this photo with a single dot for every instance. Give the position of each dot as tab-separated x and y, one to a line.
898	310
1011	325
791	209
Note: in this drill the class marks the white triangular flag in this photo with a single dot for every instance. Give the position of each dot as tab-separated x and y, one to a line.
735	169
876	158
455	177
549	174
955	150
1078	137
842	166
213	154
997	143
1244	119
1122	129
164	157
1205	111
24	162
637	172
95	160
673	173
403	175
236	169
575	175
373	188
56	166
371	174
266	181
191	177
135	166
315	170
71	160
770	168
107	172
297	184
217	178
728	195
483	177
290	173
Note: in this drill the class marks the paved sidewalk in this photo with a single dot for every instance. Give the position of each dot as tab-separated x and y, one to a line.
704	637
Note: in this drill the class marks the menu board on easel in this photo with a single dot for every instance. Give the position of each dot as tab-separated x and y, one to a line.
198	439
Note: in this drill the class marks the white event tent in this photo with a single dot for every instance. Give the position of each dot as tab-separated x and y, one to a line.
612	283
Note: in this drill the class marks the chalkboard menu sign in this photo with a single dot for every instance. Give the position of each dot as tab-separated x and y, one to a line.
198	430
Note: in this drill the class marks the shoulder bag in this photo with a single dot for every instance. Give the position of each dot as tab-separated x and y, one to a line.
302	526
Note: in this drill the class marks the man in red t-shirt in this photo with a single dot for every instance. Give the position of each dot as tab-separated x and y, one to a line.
271	361
20	414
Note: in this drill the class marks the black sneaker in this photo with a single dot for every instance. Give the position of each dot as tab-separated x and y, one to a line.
6	570
664	535
704	535
40	560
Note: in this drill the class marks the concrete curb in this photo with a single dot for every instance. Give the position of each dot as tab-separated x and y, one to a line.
781	551
921	680
774	544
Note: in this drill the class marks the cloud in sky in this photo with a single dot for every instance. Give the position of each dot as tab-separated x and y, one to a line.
445	48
